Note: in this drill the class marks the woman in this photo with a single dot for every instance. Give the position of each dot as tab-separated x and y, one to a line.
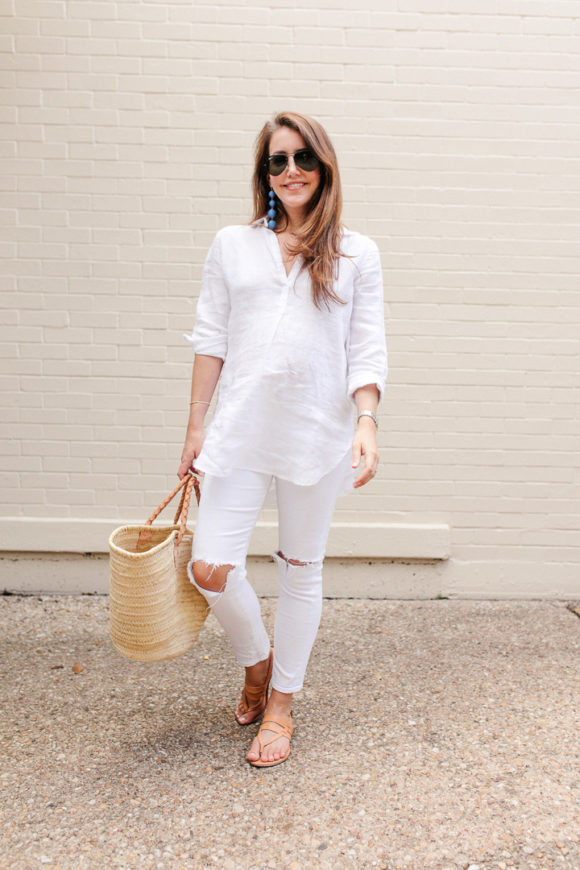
291	316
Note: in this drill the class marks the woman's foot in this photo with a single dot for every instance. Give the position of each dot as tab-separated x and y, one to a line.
272	745
255	694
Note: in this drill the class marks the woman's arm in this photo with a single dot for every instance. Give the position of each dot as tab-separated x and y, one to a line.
210	343
367	348
206	372
367	360
365	439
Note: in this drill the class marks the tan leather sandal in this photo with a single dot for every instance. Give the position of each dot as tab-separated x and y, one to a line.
255	698
280	728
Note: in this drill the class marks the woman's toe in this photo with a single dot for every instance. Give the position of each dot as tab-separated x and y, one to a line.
254	751
244	716
274	753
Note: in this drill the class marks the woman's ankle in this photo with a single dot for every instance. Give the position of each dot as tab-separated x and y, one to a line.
256	674
280	701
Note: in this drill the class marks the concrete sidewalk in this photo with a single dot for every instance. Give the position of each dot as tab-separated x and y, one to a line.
431	734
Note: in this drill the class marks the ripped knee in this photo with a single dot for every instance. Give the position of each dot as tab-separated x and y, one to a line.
211	577
292	561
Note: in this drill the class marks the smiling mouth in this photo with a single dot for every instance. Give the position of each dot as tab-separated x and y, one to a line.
295	185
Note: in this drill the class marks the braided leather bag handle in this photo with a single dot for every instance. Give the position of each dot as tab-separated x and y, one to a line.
187	483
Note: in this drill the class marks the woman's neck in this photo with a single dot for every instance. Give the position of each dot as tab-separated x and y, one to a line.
295	223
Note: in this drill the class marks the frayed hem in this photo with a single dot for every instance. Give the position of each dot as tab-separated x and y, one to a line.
249	664
287	691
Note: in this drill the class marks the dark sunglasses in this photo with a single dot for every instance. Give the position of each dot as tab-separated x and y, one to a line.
304	159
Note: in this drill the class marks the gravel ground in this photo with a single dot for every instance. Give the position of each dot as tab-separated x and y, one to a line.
431	734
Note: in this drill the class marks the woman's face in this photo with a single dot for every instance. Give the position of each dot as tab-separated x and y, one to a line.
294	187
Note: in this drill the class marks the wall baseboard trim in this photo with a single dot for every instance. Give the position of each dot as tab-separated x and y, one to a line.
361	540
36	573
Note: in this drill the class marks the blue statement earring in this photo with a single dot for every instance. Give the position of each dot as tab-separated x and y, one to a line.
272	210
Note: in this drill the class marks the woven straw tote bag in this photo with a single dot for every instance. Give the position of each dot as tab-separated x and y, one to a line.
156	613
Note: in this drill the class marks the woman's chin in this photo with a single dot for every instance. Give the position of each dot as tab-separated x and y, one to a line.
296	204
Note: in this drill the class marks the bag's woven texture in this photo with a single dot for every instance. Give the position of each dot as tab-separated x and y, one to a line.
156	613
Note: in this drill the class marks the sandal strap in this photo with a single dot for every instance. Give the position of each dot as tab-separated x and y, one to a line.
253	696
280	729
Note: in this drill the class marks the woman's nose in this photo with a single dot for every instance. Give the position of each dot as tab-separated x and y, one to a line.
291	164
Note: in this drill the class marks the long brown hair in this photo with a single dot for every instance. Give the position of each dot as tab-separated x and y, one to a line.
320	235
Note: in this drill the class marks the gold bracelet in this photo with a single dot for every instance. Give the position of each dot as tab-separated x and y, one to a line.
199	402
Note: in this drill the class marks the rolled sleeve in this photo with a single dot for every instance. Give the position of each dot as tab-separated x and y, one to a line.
367	346
210	332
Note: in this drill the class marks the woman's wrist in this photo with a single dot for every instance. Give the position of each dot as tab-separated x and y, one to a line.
196	417
367	416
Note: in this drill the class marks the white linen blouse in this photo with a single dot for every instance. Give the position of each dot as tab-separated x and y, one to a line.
285	403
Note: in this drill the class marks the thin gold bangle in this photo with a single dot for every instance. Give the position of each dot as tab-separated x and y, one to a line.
199	402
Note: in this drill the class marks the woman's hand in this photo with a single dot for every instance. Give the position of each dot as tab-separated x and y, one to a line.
190	452
365	445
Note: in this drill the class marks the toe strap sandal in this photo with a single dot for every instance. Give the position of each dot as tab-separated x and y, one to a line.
254	698
281	728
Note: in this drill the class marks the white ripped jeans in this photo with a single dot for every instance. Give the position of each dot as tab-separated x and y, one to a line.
228	512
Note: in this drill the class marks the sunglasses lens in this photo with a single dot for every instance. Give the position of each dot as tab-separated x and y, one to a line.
277	164
306	160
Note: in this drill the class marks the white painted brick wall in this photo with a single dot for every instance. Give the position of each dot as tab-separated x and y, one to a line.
127	131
